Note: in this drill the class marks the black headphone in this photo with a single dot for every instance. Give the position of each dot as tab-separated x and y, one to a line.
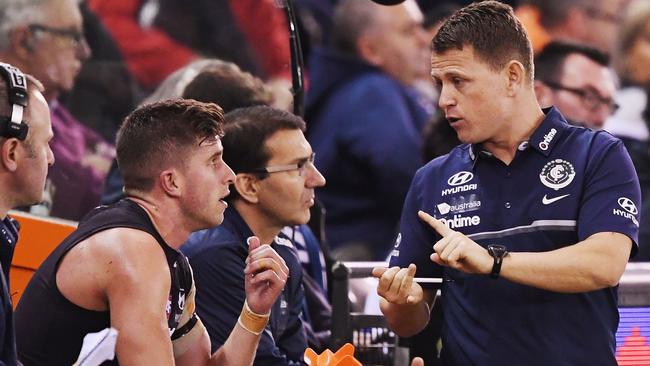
14	126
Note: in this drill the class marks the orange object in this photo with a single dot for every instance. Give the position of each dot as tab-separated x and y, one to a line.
37	239
530	18
343	357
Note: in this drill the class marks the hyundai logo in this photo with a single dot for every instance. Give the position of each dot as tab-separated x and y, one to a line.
460	178
628	205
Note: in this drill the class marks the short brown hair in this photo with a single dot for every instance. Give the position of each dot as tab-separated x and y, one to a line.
494	32
160	133
230	87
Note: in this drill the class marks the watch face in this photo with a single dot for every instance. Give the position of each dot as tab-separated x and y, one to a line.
497	251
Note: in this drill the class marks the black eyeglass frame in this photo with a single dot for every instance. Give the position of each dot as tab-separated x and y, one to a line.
71	34
300	166
591	98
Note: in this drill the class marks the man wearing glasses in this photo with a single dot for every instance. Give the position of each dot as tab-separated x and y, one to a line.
274	188
578	81
45	38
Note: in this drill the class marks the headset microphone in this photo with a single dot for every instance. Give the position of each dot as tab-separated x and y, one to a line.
14	126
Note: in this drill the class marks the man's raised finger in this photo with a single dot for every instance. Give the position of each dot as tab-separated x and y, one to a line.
438	226
407	282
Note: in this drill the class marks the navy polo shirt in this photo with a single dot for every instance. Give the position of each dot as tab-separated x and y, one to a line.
218	258
565	184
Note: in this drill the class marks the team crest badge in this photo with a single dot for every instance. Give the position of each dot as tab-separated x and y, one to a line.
557	174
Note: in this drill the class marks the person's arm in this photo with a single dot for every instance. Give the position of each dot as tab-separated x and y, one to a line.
137	288
592	264
238	350
404	303
265	276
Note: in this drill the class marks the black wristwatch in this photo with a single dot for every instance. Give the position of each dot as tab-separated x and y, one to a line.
498	252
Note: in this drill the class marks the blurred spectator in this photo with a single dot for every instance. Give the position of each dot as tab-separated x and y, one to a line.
365	122
630	123
44	38
632	62
274	188
315	19
592	22
158	37
104	92
578	81
229	87
640	153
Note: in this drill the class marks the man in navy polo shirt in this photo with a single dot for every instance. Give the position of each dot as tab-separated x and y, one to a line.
529	224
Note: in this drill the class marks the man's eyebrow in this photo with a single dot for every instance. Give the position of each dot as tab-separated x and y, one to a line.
209	140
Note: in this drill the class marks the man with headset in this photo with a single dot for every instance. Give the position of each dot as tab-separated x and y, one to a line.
25	154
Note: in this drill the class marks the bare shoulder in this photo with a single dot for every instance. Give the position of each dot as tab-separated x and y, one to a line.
126	257
127	252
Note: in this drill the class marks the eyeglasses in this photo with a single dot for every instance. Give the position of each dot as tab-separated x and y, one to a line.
590	98
73	36
599	14
300	166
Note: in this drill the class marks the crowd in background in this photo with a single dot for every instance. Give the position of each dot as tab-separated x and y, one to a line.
371	108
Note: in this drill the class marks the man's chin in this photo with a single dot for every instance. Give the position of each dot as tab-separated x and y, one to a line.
218	220
304	219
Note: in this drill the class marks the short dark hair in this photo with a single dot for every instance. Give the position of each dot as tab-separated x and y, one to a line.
549	62
228	86
159	133
245	133
351	19
492	29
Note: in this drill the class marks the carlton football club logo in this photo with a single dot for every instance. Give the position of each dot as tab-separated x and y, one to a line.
557	174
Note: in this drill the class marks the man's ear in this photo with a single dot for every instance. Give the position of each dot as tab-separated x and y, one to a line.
170	181
366	49
10	154
21	42
248	187
515	76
